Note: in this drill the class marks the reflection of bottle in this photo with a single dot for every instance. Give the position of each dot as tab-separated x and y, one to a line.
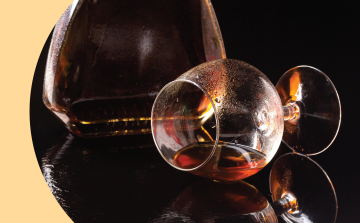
110	179
109	59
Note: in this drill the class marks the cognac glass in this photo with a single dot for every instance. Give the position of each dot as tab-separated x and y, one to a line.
224	119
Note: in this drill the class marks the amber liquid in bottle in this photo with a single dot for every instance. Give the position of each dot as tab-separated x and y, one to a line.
232	162
116	55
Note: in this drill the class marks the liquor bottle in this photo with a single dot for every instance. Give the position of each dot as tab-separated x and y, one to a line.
109	59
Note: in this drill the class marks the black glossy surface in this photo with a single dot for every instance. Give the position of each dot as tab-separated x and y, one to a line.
273	38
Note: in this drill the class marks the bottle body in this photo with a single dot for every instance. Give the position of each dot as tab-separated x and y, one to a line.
109	59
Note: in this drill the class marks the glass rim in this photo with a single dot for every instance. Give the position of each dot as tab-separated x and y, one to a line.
216	125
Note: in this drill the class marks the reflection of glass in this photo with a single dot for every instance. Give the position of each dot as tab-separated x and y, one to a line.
235	202
303	190
224	119
109	59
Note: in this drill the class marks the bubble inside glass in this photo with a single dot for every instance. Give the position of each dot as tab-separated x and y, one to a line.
221	120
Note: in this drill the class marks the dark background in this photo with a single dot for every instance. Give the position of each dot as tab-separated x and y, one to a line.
274	37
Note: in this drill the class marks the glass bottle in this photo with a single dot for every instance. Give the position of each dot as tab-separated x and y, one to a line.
109	59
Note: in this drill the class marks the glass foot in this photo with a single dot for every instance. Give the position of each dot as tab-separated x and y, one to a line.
312	111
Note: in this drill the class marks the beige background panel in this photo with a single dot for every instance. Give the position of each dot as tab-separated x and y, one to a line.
25	26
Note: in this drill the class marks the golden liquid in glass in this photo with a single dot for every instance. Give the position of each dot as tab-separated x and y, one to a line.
230	162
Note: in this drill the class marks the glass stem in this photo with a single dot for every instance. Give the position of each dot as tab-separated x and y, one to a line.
286	204
291	111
